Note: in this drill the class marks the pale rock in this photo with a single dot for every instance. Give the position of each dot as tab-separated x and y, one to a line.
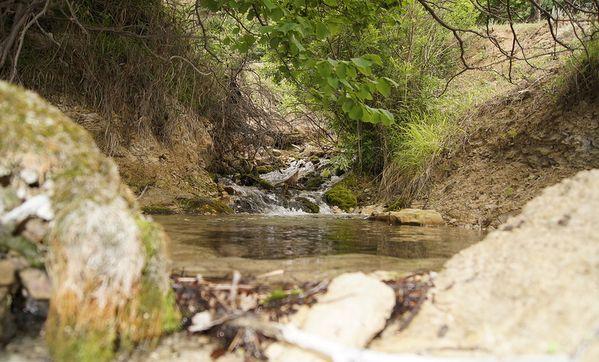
36	283
38	205
531	287
371	209
35	230
7	273
29	176
414	217
352	311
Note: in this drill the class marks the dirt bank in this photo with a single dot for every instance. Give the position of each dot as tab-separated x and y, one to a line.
159	171
518	137
515	146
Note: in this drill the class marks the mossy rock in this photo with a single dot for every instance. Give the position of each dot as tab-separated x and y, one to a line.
313	181
254	180
204	206
157	210
307	205
342	197
24	247
361	186
107	262
264	169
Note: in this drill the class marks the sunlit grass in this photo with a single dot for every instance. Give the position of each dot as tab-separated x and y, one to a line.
421	139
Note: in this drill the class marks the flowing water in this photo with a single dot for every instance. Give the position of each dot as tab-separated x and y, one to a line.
274	230
306	246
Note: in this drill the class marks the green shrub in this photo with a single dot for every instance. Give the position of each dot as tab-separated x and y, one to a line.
420	140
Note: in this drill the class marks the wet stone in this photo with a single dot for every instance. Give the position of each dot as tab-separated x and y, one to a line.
414	217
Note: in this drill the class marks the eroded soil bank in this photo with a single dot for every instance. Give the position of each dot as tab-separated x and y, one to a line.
513	147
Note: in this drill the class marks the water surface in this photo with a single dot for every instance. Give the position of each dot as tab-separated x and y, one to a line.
311	244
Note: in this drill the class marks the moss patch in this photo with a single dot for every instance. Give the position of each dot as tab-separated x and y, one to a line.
342	197
85	346
204	205
157	210
313	181
264	169
24	247
307	205
253	180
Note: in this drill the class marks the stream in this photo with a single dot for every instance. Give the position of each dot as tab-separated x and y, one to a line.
273	230
306	247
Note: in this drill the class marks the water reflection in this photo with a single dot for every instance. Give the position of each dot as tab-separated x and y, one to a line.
273	237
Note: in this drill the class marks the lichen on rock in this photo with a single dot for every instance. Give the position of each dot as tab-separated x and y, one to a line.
106	261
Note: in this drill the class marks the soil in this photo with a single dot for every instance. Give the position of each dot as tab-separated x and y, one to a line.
159	171
525	136
516	146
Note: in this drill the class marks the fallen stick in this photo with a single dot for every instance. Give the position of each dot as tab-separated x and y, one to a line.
340	353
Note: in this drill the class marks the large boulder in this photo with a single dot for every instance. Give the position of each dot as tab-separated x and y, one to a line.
531	287
105	260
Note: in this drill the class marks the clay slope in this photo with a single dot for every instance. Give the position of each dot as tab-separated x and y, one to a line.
515	146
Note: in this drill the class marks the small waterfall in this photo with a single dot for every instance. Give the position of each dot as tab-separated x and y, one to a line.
302	167
282	200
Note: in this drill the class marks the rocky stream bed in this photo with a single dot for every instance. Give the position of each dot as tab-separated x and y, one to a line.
82	267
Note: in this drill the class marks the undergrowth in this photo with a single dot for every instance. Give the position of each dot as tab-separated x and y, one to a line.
131	61
581	77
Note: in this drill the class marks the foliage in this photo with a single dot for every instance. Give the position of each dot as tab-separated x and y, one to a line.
296	31
128	61
420	139
582	75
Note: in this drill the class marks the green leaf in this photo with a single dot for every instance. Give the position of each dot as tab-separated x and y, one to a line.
361	62
333	82
341	70
384	87
367	114
346	84
364	94
355	112
269	4
374	58
334	28
324	69
387	117
321	30
297	44
347	105
330	2
277	14
212	5
246	43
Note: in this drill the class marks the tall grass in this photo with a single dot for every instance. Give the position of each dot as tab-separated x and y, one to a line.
581	79
421	139
124	61
417	144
